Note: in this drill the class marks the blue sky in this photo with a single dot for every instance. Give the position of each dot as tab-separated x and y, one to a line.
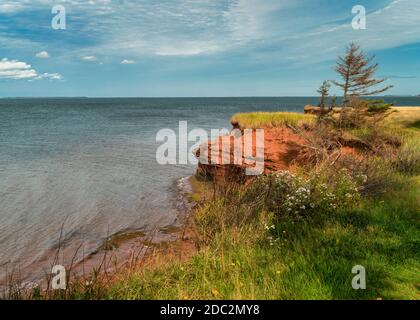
199	47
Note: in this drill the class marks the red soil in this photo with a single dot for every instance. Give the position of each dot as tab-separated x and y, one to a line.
282	147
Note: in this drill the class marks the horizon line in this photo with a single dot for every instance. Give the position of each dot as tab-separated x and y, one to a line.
186	97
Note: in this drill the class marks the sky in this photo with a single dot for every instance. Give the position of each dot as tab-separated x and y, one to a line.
200	48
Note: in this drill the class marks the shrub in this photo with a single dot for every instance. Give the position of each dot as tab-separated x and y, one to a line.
362	113
275	196
407	160
378	106
377	176
298	196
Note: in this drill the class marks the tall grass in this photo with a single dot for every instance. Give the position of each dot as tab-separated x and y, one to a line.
257	120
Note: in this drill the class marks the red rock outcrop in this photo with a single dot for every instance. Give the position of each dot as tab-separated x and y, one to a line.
282	147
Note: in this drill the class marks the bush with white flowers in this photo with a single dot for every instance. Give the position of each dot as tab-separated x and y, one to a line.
287	194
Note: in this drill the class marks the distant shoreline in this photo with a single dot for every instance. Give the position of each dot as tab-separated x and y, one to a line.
195	97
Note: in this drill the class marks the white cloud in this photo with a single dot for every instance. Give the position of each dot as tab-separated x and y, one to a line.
126	61
202	27
14	69
249	20
50	76
43	55
10	7
395	25
192	48
90	58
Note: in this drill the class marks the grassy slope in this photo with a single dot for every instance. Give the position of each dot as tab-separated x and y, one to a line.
312	260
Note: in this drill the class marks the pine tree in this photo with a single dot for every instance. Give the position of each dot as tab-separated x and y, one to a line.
357	73
323	90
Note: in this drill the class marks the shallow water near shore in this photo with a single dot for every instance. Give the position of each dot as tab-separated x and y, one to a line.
82	170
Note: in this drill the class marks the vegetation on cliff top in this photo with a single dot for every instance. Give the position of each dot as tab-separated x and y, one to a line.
257	120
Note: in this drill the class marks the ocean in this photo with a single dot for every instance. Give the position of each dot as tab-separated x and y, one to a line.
81	169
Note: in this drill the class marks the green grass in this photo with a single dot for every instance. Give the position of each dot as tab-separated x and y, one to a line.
258	120
312	260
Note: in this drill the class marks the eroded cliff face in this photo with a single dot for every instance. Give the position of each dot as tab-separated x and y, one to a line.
219	159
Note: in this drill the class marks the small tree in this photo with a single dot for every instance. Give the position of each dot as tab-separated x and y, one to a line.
323	90
358	75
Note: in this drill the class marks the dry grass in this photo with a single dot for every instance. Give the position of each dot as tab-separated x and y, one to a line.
406	116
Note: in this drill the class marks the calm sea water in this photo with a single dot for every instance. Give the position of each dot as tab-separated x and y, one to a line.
89	165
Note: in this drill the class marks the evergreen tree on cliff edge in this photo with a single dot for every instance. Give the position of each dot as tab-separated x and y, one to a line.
357	73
